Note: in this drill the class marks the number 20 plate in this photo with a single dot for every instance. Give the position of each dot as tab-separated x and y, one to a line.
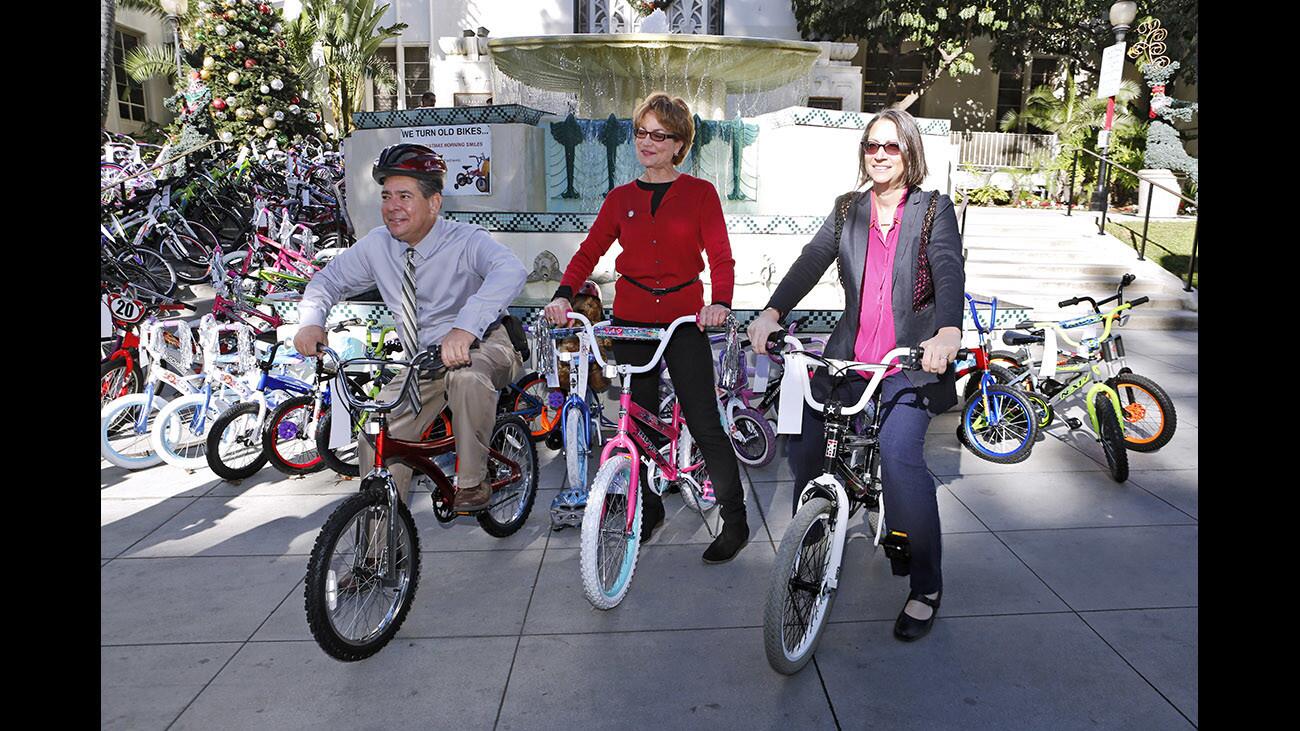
124	309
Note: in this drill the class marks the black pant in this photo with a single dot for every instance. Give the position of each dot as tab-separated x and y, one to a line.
911	503
690	363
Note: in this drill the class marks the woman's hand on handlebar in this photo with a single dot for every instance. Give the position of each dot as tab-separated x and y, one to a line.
712	316
557	312
308	339
761	328
940	350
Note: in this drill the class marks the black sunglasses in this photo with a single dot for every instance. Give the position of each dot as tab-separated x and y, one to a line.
657	135
891	148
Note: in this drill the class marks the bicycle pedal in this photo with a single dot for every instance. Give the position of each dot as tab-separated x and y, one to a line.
899	551
1073	423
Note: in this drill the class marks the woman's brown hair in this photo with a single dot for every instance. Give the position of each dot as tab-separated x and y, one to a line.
909	138
674	114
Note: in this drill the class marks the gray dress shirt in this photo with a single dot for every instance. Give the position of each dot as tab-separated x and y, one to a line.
464	278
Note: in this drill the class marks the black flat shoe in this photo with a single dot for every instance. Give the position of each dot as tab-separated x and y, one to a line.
909	628
652	516
728	543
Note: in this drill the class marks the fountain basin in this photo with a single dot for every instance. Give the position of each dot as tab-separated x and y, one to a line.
611	73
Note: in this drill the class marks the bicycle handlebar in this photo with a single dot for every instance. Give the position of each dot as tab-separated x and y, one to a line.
907	358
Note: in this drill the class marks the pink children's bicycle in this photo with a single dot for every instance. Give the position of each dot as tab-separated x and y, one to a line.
611	524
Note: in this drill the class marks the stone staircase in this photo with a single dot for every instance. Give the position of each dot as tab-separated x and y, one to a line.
1038	258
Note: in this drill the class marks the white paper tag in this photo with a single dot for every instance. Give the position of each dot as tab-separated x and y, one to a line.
1048	368
105	320
340	419
789	410
582	364
762	368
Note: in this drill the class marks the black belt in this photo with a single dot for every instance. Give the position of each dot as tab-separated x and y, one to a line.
661	291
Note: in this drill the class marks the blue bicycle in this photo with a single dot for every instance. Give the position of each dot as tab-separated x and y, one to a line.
999	423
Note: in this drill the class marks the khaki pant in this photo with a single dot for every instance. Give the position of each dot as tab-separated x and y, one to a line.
472	393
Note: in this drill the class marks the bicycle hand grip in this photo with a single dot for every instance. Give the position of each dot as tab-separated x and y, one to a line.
1127	279
1139	301
1024	324
1066	303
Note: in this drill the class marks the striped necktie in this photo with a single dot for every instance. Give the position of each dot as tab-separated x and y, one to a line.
409	326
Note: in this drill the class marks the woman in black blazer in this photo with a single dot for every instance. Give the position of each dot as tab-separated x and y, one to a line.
895	295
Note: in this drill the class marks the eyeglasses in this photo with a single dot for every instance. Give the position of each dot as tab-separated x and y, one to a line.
891	148
657	135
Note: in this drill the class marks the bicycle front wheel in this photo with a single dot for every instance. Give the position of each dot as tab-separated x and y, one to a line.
576	449
123	440
343	460
286	439
1000	427
1111	435
180	435
752	438
609	550
511	504
116	380
1149	415
535	387
354	604
798	599
235	443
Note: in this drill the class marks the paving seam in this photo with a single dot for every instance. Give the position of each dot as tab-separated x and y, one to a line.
522	624
1076	613
1138	485
155	530
834	716
759	506
1099	527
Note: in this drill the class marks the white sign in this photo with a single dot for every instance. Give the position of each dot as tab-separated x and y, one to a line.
467	149
1112	71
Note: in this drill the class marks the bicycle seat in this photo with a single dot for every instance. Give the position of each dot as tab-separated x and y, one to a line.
1015	337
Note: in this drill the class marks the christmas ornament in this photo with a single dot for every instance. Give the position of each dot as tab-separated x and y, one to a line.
231	14
203	7
249	63
260	131
264	89
294	109
227	137
268	123
205	74
233	78
209	62
279	115
263	29
219	115
221	30
264	9
294	100
311	117
230	101
218	104
227	3
276	28
263	110
277	84
239	45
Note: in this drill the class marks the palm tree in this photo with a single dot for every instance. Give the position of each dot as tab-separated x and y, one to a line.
350	37
1072	116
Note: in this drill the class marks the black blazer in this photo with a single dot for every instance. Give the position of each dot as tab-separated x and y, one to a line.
910	328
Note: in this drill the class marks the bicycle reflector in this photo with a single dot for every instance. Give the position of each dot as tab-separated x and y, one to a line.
899	552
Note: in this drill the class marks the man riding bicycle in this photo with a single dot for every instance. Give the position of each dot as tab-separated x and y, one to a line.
449	284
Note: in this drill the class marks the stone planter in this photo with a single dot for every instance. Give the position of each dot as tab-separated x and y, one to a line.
1163	203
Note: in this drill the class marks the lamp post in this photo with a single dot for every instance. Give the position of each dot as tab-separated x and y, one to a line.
174	10
1122	15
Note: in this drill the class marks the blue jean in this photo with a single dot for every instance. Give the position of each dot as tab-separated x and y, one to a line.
911	504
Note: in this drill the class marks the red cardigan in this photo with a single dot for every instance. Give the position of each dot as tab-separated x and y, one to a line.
659	251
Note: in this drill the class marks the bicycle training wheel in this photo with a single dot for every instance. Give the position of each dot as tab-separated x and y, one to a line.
798	600
1111	435
1149	415
235	443
354	607
286	440
1000	428
609	550
511	504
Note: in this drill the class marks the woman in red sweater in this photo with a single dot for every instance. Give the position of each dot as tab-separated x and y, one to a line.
664	221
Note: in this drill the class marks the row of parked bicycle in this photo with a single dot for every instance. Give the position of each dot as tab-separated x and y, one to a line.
245	403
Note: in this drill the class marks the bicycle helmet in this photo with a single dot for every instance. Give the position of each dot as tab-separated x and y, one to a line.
417	161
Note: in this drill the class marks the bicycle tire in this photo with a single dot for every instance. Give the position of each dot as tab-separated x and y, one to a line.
608	555
173	436
794	617
1111	435
235	449
576	449
760	446
343	460
1011	439
154	265
511	437
707	499
285	437
324	571
1001	375
128	450
1149	415
1045	411
188	256
116	381
545	420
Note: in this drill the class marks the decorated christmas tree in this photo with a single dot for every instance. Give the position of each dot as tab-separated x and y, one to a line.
238	47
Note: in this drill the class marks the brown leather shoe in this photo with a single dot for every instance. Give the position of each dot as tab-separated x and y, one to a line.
472	498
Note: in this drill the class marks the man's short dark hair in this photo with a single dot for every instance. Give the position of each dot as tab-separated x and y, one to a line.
428	99
429	187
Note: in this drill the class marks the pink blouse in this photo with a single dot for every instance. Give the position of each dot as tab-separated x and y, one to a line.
876	319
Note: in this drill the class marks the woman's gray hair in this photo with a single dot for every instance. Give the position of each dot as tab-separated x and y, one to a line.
909	138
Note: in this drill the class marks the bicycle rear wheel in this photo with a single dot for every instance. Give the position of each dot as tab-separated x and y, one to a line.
343	460
157	270
752	438
235	449
798	600
180	435
353	608
1149	415
576	449
1111	435
115	380
535	387
511	504
609	551
285	440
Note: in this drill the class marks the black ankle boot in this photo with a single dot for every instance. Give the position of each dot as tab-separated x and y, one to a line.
652	514
733	537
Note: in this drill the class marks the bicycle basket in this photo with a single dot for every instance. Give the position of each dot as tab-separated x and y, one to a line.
169	341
